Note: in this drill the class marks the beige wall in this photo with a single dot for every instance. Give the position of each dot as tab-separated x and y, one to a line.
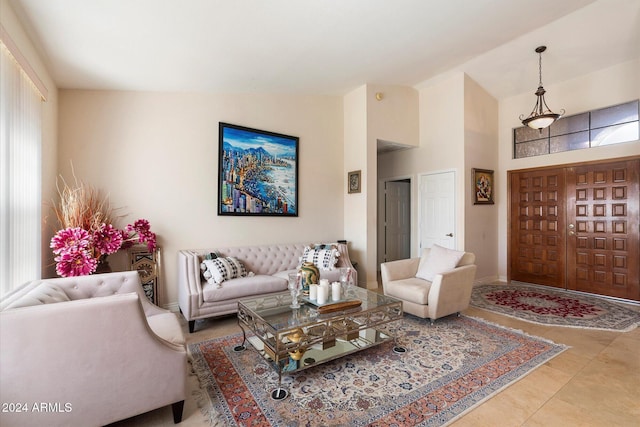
441	148
603	88
458	131
17	33
355	158
480	151
393	118
157	156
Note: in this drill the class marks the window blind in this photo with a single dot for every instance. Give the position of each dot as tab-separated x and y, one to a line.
20	174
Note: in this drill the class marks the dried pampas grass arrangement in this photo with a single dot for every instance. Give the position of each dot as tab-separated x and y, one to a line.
82	206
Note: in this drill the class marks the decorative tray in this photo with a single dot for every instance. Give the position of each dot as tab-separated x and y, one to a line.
314	302
330	306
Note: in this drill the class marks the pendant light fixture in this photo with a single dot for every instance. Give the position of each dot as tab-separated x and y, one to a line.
541	116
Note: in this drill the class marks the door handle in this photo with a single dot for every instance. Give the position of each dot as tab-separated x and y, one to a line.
449	235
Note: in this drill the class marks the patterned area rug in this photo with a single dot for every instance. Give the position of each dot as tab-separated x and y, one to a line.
448	369
548	306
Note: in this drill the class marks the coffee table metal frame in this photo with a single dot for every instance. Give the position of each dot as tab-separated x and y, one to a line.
292	340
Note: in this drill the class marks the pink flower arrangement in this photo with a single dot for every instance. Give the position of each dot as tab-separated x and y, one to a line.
78	250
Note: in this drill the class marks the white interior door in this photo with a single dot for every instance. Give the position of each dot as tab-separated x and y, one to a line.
397	227
437	210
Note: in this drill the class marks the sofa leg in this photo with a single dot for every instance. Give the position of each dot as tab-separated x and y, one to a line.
177	411
192	326
432	321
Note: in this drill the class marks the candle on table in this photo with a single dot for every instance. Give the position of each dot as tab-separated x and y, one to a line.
323	294
335	291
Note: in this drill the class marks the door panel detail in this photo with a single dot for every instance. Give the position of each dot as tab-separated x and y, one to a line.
578	227
607	238
539	223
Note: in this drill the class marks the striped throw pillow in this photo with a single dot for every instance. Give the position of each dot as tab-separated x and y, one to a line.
223	268
324	257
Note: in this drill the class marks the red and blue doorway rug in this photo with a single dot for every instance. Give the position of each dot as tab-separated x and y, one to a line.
550	306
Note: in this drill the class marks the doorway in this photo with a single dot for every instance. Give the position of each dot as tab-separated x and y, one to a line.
394	233
576	227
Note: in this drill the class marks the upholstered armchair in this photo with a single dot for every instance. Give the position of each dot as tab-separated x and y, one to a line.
88	351
435	285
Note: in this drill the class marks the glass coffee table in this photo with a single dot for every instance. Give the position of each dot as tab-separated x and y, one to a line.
296	339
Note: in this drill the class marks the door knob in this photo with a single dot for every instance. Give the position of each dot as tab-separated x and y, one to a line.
449	235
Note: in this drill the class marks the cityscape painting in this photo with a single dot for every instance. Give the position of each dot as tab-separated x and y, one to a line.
257	171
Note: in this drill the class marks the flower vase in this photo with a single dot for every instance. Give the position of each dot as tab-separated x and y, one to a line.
103	265
309	274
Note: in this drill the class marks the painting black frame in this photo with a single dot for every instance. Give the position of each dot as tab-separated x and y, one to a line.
259	146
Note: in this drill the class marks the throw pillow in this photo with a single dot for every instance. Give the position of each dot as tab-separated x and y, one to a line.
220	269
438	261
203	267
324	256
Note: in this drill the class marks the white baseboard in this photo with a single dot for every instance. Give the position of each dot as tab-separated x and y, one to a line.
485	280
172	306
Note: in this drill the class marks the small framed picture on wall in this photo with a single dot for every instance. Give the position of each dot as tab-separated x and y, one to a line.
353	181
482	186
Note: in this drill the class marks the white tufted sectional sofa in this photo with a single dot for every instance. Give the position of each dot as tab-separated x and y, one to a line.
270	265
88	351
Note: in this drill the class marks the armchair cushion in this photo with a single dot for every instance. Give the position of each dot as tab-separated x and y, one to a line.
437	261
410	289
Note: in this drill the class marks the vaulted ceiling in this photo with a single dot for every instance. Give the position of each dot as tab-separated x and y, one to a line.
325	47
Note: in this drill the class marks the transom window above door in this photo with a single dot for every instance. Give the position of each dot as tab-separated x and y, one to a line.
611	125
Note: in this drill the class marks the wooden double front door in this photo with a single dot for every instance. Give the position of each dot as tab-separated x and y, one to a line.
576	227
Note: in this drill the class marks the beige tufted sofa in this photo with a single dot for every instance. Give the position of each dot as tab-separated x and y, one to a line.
88	351
270	264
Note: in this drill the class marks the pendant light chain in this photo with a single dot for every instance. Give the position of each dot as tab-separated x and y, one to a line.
541	116
539	68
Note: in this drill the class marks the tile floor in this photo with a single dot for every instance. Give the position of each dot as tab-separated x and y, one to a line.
594	383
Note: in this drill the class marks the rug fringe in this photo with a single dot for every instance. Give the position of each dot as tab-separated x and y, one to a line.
593	328
563	348
520	331
203	401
